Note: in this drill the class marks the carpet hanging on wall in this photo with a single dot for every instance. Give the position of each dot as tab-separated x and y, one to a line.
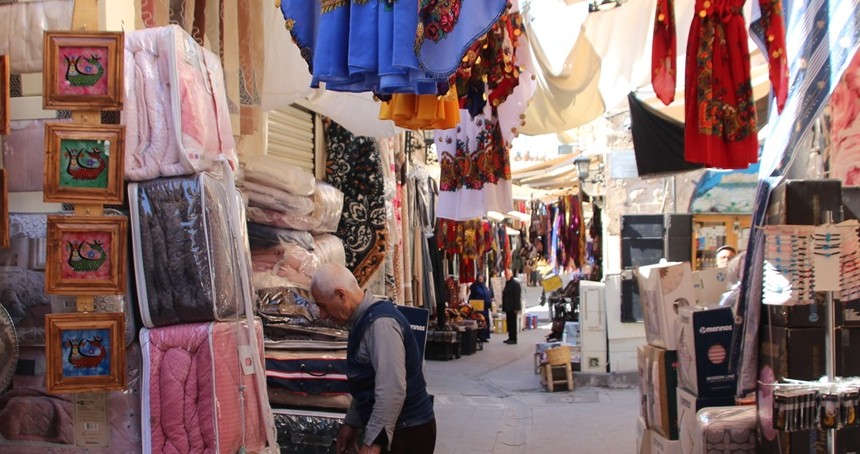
354	167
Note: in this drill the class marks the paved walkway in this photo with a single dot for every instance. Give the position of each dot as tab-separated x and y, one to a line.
492	402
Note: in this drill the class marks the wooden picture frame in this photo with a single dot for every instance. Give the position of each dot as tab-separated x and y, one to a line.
5	96
4	210
85	351
83	70
84	163
86	255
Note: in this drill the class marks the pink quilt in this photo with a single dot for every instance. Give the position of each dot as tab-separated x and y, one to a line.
175	110
193	400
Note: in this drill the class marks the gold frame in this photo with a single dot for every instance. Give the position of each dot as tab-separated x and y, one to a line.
112	100
54	134
55	324
116	226
5	89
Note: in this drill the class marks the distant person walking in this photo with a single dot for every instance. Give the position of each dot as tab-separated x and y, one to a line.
512	304
480	291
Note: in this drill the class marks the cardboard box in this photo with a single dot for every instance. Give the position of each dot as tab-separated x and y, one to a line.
663	289
661	445
710	285
661	382
642	363
643	437
688	427
798	316
847	352
804	202
704	342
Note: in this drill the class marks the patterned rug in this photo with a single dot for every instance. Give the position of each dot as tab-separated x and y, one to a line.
354	167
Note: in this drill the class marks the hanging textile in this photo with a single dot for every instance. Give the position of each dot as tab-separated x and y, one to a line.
663	54
356	47
354	167
476	170
232	30
720	127
658	142
845	123
595	231
412	111
392	214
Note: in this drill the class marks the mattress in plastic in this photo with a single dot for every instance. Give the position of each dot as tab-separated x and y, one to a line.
187	264
197	397
307	432
175	111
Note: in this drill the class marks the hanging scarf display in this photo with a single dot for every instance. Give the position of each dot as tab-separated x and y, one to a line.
719	106
354	167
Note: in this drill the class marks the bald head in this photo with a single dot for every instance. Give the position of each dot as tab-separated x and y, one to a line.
336	292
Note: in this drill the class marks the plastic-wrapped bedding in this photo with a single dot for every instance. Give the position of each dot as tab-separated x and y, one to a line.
196	397
21	27
329	249
275	199
262	236
34	421
187	264
22	282
307	378
328	204
175	111
278	175
307	432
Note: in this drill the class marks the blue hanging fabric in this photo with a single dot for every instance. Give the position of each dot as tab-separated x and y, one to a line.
449	27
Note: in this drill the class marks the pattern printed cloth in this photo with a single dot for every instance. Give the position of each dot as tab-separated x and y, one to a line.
354	46
355	168
476	169
719	106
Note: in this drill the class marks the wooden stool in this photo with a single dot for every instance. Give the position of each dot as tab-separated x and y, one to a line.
551	381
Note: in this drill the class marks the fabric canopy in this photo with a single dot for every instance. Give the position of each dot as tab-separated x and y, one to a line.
657	141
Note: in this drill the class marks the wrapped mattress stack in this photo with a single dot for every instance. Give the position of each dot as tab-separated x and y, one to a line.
31	419
203	379
291	217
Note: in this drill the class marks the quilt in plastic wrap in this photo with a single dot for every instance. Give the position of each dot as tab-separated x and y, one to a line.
187	265
197	397
307	432
326	214
34	421
175	111
307	378
22	282
21	27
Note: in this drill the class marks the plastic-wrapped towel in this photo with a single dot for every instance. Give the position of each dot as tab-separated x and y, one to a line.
307	378
176	114
278	175
186	262
329	249
302	431
263	236
275	199
328	203
725	430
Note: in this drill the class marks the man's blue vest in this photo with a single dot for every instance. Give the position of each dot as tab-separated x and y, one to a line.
418	406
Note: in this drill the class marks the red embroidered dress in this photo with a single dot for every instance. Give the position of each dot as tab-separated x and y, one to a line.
720	126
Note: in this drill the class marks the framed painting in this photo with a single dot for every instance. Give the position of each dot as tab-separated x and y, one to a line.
85	351
86	255
83	70
84	163
5	117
